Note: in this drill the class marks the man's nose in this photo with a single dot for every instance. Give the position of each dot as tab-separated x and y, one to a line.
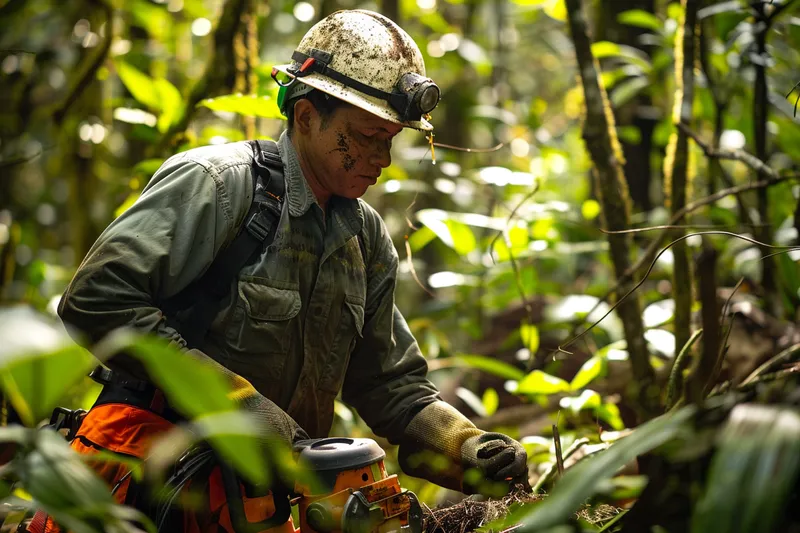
383	155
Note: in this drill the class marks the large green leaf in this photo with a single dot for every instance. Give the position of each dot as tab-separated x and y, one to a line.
38	363
170	104
538	382
582	480
61	484
139	84
603	49
753	473
245	104
486	364
463	238
197	390
641	19
591	369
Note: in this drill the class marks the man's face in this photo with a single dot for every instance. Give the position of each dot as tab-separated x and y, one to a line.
350	149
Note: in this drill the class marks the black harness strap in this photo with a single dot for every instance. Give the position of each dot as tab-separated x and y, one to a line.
193	309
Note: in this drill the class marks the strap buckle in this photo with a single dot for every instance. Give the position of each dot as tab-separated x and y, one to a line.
259	225
63	418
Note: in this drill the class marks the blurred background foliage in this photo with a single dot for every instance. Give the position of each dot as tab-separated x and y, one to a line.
502	255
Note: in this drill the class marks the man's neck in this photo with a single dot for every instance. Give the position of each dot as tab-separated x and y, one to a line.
310	176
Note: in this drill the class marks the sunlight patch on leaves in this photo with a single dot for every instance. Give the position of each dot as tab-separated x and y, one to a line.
38	363
248	105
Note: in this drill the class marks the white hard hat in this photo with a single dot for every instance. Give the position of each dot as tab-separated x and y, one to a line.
367	60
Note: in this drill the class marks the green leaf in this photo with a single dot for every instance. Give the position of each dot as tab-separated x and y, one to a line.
588	399
126	204
38	363
582	480
604	49
420	238
759	454
627	90
556	9
245	104
148	167
641	19
170	104
530	337
61	483
591	369
140	85
491	401
194	388
463	238
538	382
487	364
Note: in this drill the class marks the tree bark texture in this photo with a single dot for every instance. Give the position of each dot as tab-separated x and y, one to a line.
638	112
705	366
599	133
760	103
677	172
220	69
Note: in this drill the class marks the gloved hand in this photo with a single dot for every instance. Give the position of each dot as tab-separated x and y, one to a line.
275	422
443	446
493	457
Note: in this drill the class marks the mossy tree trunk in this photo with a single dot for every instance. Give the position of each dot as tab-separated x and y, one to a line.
601	140
677	168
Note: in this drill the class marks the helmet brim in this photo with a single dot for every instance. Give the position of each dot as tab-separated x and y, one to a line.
376	106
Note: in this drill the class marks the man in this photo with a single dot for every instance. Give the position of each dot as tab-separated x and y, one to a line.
313	313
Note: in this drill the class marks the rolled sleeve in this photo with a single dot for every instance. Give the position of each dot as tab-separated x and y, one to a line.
386	379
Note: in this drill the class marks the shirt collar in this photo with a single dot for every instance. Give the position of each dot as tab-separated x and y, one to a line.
300	196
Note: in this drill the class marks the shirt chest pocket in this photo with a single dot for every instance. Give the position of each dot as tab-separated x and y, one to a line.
348	332
263	323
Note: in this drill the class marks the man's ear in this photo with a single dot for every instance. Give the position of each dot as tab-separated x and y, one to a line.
305	116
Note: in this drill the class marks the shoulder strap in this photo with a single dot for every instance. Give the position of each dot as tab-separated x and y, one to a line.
193	309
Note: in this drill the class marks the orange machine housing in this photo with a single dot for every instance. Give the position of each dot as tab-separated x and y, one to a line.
353	493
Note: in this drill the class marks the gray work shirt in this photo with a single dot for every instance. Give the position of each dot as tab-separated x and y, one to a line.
313	316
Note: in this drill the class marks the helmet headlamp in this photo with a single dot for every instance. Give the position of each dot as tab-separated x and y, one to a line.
413	95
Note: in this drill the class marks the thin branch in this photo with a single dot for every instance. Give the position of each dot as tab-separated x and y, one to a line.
656	243
511	217
557	446
675	382
472	150
737	155
20	160
92	65
679	226
414	270
786	356
562	347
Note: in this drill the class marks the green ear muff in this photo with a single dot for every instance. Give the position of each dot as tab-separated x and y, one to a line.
282	99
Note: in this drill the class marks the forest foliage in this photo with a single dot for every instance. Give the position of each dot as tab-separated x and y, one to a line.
582	120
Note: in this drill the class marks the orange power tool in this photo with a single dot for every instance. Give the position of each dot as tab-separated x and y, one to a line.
356	494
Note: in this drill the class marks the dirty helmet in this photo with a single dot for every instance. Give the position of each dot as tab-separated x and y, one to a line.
367	60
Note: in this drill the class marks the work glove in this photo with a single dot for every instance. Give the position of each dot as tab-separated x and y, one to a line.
443	446
275	422
493	462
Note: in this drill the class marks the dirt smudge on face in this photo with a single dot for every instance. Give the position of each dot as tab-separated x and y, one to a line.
348	161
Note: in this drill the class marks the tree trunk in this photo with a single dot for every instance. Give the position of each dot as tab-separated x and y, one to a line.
601	140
